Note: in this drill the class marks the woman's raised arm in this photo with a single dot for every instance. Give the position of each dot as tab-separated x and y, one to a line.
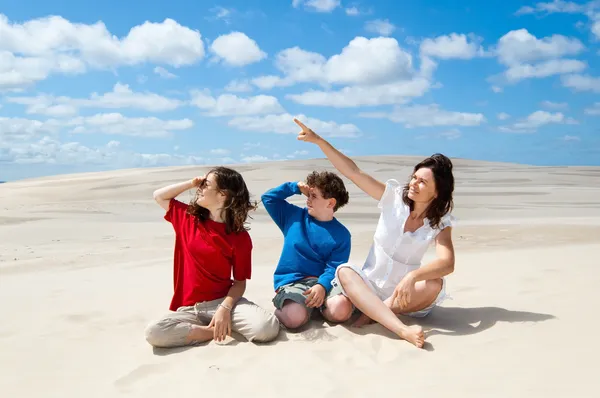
343	163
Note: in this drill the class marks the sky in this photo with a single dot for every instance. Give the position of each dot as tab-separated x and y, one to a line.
123	84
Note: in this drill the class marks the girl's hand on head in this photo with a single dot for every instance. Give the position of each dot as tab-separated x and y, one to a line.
196	181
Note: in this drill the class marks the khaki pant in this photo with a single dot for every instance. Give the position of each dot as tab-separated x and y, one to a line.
248	319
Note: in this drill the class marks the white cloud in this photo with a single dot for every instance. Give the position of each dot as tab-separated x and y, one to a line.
121	97
567	7
220	152
255	159
115	123
560	6
237	49
381	27
354	65
519	46
554	105
222	13
165	74
238	86
593	110
295	154
31	51
352	11
19	130
453	46
428	116
452	134
317	5
497	89
232	105
46	105
596	27
165	42
571	138
582	83
270	81
528	57
391	80
48	150
384	94
284	124
13	128
556	6
544	69
536	120
503	116
17	72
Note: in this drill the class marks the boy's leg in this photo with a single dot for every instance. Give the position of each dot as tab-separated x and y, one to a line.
290	303
337	307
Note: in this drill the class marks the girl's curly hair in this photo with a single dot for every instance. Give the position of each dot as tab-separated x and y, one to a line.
441	166
237	200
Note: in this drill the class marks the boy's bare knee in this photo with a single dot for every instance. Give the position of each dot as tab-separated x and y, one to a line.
293	315
338	309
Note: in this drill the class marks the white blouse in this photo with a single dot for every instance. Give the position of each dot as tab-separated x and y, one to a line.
394	253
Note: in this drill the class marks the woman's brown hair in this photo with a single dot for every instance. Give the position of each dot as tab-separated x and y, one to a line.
237	200
441	166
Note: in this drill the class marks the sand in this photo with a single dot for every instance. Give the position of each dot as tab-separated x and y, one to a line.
85	264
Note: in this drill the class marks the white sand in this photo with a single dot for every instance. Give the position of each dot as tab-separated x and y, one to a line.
85	264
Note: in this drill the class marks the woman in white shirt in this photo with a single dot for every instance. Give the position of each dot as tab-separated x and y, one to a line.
392	281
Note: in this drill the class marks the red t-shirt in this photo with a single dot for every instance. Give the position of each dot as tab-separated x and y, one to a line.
205	257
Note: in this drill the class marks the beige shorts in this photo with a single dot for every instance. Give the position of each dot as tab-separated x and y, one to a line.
382	294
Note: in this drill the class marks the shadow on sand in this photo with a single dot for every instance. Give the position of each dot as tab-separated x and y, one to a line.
456	321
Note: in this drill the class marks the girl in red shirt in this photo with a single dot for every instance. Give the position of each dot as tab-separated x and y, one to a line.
212	244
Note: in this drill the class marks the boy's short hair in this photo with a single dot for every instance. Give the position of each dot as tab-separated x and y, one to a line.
330	185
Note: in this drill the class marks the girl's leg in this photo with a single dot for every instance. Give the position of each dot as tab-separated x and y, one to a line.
365	300
254	322
178	329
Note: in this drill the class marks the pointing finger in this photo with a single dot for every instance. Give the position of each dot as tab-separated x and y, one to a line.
299	123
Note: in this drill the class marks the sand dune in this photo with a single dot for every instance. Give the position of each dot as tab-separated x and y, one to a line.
85	264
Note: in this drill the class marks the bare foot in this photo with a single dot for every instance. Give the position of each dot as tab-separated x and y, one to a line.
200	333
414	334
362	321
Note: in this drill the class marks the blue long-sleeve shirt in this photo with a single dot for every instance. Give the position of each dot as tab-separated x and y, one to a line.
310	247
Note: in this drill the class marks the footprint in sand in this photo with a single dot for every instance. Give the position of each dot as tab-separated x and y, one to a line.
139	373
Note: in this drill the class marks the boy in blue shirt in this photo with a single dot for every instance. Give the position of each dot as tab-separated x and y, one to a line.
315	244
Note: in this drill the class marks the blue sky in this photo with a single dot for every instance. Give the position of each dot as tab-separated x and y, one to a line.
133	84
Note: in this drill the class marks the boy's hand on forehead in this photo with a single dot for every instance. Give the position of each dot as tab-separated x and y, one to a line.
304	188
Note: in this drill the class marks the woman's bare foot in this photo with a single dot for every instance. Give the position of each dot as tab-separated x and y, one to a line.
362	321
414	334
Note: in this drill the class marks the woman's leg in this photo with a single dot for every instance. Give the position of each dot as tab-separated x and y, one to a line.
423	295
365	300
177	329
254	322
